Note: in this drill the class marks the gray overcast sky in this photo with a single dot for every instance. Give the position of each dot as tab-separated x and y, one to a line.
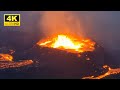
103	26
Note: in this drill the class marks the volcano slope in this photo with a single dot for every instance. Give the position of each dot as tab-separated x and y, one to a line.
54	63
51	63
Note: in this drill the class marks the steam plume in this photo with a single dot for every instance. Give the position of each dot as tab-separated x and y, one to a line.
60	22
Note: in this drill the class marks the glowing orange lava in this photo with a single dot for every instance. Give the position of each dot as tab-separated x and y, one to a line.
109	72
5	57
65	42
6	61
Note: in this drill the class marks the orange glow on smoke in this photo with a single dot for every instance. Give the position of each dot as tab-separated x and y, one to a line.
65	42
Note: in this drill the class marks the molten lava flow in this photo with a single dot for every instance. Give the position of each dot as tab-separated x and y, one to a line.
71	44
6	61
6	57
4	65
109	72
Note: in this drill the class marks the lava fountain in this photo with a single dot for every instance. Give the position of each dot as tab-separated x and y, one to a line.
68	43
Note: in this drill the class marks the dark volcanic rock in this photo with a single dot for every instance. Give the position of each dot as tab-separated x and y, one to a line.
54	63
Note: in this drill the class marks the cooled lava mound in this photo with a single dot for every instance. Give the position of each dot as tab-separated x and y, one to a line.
55	63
